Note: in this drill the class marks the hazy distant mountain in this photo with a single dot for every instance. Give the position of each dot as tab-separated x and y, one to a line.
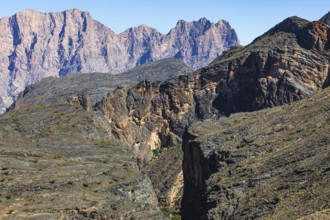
35	45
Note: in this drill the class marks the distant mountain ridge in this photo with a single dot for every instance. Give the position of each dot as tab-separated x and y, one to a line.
36	45
95	86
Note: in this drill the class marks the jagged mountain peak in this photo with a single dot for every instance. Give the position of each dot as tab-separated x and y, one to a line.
189	24
201	27
222	22
142	29
36	45
203	21
326	18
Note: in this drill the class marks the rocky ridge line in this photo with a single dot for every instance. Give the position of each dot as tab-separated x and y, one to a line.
37	45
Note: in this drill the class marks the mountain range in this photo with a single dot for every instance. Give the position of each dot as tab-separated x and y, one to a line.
36	45
243	137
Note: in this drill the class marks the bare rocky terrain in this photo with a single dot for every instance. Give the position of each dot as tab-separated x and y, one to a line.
37	45
253	128
60	162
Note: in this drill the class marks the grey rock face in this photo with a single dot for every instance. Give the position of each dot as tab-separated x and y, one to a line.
326	18
36	45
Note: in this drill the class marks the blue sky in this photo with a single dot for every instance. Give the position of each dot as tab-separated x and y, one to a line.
250	18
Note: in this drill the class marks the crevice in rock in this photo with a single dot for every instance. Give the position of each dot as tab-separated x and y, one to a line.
196	170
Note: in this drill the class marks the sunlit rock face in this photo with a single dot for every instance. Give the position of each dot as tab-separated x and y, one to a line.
36	45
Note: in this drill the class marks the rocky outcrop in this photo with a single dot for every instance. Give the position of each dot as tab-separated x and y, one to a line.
269	164
37	45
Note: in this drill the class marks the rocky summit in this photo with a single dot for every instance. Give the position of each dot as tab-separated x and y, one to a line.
36	45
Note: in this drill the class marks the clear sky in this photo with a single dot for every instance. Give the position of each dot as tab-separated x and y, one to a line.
250	18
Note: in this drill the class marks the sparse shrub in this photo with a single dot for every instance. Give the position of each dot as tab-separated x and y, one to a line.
175	217
58	156
156	152
86	184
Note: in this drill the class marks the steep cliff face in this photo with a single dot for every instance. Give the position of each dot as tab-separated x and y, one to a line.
288	63
150	115
196	170
269	164
199	42
36	45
